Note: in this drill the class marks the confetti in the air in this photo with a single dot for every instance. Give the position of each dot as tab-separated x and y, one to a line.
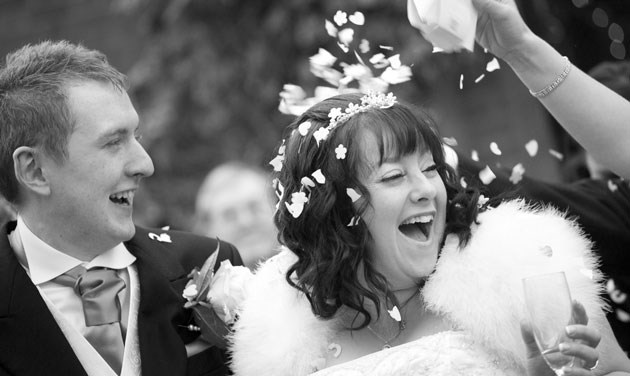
450	141
474	156
340	18
612	186
354	221
319	177
357	18
463	183
346	36
388	48
532	148
437	50
492	65
364	46
486	175
461	82
494	148
479	78
556	154
517	173
331	29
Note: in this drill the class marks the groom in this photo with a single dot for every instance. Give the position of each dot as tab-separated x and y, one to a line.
83	291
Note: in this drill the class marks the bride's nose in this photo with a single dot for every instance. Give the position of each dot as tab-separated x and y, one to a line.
421	188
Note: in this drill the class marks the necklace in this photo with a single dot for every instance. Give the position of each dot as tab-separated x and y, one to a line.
395	314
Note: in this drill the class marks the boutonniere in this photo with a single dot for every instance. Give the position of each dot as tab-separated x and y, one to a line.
215	297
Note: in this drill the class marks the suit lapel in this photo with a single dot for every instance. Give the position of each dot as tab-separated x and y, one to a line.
162	350
28	329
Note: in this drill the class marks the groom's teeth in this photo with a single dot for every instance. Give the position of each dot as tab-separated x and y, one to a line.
124	198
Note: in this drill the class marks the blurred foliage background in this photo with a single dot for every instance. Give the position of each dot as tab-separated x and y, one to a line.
205	76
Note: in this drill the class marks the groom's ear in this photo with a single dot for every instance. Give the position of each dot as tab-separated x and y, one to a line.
28	170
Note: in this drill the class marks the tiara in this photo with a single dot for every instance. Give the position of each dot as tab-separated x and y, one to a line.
338	116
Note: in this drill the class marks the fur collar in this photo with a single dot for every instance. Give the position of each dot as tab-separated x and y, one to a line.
477	287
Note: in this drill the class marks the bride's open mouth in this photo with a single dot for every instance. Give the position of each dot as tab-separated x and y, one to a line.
417	228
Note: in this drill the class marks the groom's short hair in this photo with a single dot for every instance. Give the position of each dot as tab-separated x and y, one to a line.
33	99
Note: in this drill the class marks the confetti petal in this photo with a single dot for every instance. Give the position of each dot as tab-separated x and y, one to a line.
319	177
450	141
353	221
461	82
463	183
474	156
306	181
494	148
394	61
612	186
492	65
340	18
486	175
479	78
346	36
354	196
335	348
357	18
343	47
388	48
556	154
331	29
517	173
532	148
437	50
394	313
277	163
364	46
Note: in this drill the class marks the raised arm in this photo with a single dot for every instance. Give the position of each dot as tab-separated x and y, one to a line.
597	117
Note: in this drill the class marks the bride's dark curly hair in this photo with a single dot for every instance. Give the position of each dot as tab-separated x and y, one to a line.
330	253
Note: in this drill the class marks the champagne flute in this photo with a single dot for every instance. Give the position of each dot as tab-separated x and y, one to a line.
549	306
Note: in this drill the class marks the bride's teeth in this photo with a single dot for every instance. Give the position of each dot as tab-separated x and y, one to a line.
421	219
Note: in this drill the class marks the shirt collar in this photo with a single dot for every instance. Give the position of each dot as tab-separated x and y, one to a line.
45	262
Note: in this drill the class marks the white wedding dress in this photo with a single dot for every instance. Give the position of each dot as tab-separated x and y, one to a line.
477	289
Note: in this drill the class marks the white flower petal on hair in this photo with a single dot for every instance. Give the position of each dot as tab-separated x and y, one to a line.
486	175
307	182
354	195
299	197
346	36
321	134
357	18
295	208
482	200
340	18
277	162
364	46
340	152
319	177
493	65
517	173
343	47
532	148
304	127
353	221
556	154
396	76
331	29
494	148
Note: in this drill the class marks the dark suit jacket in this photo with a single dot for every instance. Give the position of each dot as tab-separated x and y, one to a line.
604	214
31	342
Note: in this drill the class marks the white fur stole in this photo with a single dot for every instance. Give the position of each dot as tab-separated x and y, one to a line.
478	288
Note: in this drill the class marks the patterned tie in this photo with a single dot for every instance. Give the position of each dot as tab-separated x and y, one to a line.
98	289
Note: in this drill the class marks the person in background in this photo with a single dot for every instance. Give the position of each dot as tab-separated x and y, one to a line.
234	203
83	291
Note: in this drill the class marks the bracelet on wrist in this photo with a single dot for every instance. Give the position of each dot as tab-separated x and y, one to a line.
551	87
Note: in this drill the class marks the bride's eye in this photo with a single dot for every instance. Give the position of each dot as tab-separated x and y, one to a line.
430	171
391	177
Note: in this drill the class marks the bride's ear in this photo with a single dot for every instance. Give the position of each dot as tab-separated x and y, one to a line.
28	170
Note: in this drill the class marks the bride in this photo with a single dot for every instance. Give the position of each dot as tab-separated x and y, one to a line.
390	267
